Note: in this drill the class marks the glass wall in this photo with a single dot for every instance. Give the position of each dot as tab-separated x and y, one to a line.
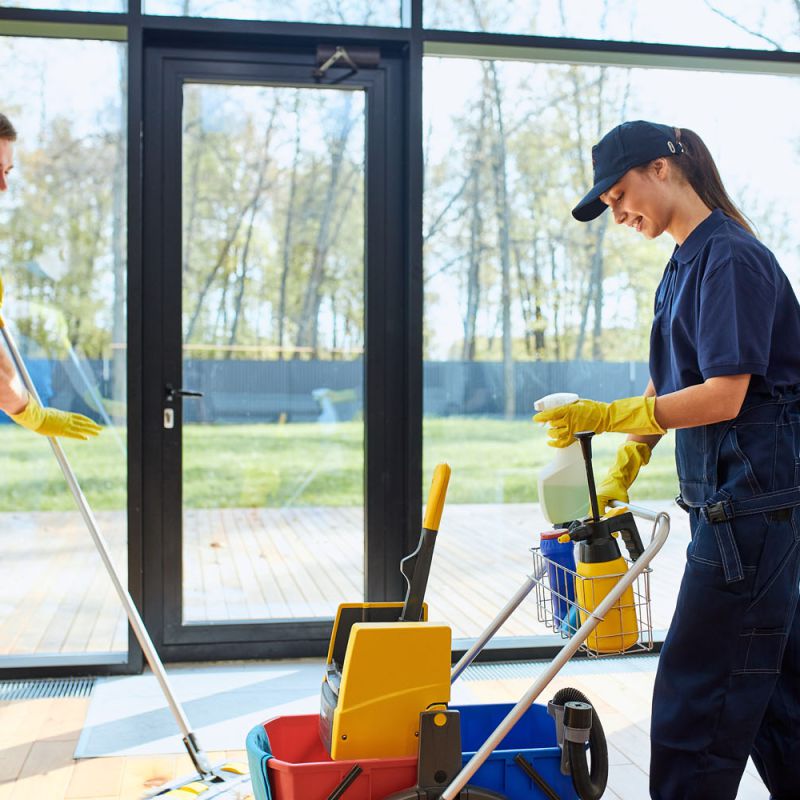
521	300
341	12
70	5
63	256
769	25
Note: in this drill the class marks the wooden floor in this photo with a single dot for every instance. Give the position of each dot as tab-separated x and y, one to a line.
256	563
38	739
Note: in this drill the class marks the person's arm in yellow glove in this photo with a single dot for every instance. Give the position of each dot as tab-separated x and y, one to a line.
715	400
631	457
25	411
629	415
52	422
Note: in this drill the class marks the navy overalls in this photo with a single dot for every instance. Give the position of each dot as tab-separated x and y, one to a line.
728	681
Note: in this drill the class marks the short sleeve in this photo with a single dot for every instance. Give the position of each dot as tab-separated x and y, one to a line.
736	314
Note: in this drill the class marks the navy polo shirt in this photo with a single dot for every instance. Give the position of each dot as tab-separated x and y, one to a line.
724	307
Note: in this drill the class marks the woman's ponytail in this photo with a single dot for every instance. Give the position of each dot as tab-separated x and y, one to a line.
697	166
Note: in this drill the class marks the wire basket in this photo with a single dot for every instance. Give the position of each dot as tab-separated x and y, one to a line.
564	602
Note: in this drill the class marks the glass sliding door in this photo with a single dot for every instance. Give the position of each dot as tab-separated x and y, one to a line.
273	340
273	265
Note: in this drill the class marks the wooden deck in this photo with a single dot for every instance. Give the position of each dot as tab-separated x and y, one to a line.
257	563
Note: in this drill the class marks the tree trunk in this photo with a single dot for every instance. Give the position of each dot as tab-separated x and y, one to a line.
475	239
254	201
504	226
307	322
473	269
262	173
288	232
594	291
556	300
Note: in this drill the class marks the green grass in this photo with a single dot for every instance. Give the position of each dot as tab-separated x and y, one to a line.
309	464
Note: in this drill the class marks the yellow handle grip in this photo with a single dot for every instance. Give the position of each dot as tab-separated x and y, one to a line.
433	511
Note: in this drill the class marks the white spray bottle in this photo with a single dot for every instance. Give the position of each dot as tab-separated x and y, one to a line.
563	493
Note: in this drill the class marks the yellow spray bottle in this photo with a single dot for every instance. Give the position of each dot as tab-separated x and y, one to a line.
600	565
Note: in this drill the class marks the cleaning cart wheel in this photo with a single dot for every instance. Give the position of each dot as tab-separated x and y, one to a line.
589	784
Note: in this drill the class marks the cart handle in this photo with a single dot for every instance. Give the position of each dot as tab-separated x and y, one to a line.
659	537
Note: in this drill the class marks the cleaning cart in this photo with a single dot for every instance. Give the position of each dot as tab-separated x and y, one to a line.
504	751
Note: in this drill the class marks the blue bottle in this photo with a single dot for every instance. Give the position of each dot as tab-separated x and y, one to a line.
559	557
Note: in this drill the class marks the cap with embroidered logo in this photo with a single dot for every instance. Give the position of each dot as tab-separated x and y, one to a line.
629	145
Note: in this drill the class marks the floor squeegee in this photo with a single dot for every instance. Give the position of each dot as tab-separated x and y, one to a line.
210	780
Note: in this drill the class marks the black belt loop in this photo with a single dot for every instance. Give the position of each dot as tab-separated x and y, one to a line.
681	503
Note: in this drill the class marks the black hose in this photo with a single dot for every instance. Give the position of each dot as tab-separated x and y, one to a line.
588	785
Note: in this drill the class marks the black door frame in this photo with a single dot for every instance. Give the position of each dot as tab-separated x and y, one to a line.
389	524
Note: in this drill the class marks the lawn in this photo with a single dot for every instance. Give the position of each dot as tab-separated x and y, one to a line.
306	464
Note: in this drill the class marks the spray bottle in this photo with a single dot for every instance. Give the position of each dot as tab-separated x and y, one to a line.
562	482
599	566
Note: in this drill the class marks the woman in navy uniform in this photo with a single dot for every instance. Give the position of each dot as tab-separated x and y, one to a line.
725	372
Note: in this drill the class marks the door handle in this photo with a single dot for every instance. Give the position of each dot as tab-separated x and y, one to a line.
172	393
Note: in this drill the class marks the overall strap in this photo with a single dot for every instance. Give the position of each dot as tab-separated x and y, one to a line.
727	508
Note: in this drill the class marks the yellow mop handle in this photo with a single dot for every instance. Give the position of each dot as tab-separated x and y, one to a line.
436	495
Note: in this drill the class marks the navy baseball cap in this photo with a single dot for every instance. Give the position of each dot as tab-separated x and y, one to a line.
629	145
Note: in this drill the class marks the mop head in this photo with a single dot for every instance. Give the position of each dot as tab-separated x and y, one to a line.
228	781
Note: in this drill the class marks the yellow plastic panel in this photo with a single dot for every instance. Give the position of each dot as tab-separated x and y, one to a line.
392	672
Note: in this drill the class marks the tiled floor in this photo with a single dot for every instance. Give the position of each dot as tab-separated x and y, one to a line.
38	737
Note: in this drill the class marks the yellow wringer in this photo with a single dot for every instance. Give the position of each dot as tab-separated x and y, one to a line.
386	663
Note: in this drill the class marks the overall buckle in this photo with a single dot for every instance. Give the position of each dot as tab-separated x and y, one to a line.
720	511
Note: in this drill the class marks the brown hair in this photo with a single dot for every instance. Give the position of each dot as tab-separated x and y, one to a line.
697	166
7	130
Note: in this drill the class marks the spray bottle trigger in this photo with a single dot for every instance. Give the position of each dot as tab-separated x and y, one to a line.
632	541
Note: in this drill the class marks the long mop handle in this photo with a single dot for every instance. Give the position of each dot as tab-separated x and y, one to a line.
660	533
146	643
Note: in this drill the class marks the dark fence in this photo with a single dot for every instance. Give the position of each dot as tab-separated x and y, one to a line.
270	391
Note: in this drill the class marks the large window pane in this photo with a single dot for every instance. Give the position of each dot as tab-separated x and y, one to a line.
521	300
342	12
63	261
769	25
70	5
273	331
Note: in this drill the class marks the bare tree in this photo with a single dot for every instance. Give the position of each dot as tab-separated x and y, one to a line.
309	309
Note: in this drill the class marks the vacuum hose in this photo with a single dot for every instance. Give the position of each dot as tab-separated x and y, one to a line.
589	785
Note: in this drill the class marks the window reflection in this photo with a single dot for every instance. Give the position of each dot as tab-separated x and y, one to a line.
521	300
64	267
769	25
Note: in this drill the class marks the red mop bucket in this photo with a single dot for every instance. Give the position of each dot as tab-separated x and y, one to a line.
301	769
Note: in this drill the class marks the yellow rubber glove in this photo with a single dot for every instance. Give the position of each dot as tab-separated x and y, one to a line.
629	415
630	459
52	422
